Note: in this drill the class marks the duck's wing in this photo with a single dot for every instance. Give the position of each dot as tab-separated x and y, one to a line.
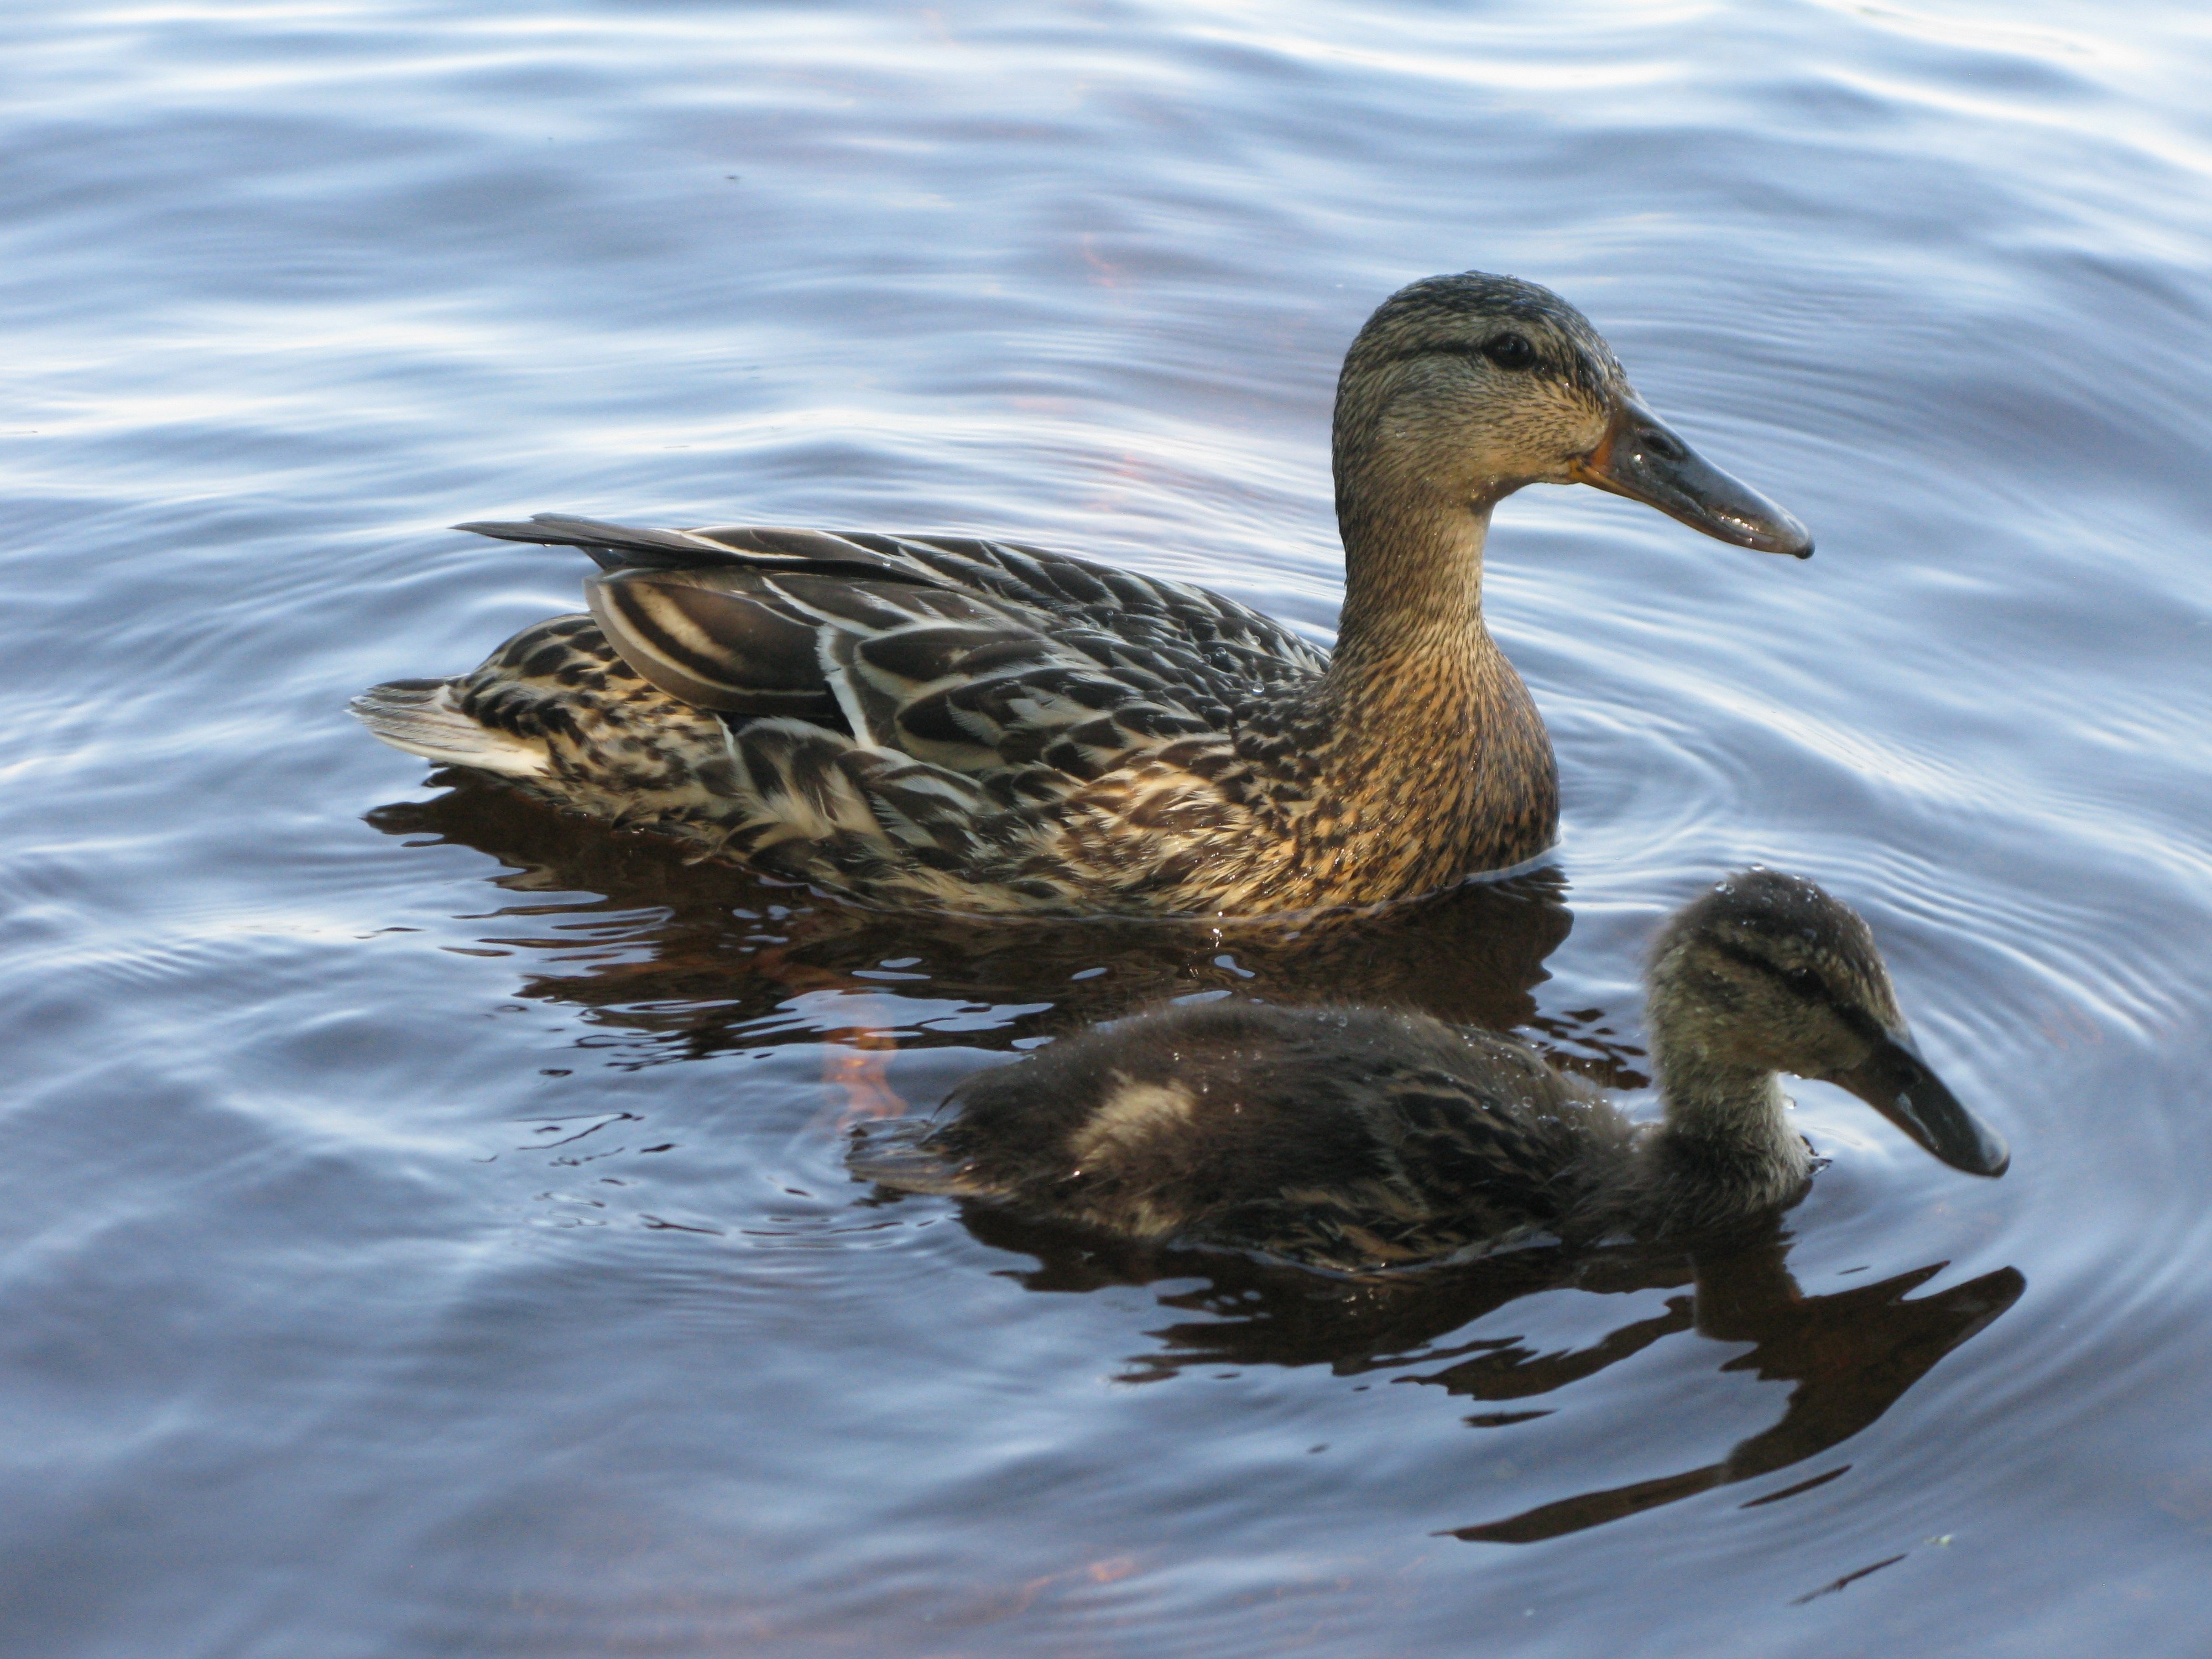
964	652
1452	1163
1496	1145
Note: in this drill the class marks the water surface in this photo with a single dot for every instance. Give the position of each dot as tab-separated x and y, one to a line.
425	1226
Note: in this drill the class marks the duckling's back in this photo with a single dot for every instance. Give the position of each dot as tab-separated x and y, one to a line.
1346	1138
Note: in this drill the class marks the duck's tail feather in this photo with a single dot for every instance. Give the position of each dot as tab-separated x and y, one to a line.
612	545
419	717
898	1155
750	547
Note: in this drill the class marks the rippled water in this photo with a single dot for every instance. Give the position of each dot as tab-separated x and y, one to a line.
426	1231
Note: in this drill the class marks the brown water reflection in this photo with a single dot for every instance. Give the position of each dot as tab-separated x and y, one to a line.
1850	1355
700	959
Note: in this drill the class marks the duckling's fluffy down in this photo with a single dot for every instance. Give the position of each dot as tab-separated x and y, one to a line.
1351	1138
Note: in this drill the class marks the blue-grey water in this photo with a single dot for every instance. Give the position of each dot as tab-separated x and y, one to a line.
424	1225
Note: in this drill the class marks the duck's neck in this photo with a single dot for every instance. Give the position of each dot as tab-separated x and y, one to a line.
1412	595
1725	1152
1425	718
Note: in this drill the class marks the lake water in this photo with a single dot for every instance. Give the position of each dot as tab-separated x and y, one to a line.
425	1231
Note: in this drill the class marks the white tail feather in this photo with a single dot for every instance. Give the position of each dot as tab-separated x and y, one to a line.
419	717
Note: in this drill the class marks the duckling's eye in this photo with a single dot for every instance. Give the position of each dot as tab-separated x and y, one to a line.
1805	982
1510	350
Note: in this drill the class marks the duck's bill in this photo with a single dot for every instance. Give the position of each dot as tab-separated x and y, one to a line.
1640	458
1899	1083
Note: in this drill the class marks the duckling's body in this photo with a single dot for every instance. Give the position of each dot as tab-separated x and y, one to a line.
1346	1138
959	724
1360	1139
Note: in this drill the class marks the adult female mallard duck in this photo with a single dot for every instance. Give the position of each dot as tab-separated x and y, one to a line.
1361	1140
947	723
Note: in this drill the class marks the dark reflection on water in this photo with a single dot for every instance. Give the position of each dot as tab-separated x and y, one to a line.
1850	1354
701	957
1847	1354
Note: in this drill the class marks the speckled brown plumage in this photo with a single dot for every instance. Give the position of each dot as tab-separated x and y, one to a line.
967	725
1362	1140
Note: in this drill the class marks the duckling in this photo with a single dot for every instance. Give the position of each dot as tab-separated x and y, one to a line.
1362	1139
947	723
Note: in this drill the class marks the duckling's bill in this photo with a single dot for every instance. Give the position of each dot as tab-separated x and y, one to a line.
1643	460
1897	1081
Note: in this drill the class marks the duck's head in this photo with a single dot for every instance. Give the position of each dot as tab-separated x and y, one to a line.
1464	388
1767	973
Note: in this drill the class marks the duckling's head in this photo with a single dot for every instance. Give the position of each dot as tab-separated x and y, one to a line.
1461	389
1767	973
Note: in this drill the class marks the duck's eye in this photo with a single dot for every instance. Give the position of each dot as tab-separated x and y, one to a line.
1510	350
1805	982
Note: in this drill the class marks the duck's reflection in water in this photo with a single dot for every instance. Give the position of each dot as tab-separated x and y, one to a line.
688	960
695	957
1849	1355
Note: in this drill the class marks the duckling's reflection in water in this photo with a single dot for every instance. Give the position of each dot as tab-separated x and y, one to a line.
1849	1355
695	957
689	961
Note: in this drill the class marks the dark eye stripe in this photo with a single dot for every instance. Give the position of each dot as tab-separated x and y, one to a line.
1446	349
1862	1023
1580	373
